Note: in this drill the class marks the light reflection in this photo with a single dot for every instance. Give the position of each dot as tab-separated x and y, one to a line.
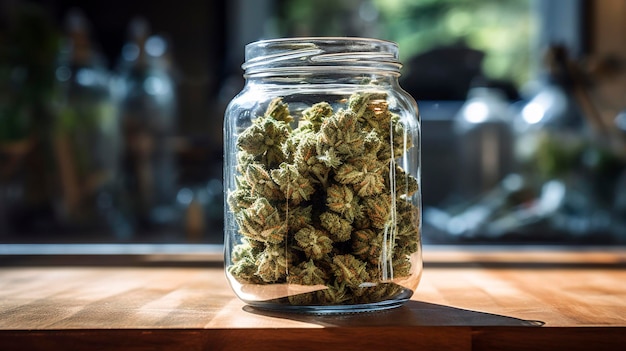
544	106
155	46
184	196
85	77
552	196
63	73
368	12
533	113
620	121
215	187
476	112
130	52
155	86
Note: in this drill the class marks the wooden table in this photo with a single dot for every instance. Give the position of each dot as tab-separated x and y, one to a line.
469	299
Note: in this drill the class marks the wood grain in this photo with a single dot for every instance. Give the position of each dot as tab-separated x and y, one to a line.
467	300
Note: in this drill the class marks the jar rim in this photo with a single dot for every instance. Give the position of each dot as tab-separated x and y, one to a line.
316	53
323	39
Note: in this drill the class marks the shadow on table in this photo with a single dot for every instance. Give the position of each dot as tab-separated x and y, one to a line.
412	313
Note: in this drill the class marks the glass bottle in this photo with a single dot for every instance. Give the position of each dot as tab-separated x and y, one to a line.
483	127
321	177
85	135
147	104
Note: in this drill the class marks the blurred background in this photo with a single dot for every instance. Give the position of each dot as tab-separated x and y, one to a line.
111	113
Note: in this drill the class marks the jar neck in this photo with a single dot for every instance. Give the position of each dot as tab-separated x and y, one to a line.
322	79
322	60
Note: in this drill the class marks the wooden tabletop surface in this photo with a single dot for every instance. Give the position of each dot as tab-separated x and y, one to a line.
468	299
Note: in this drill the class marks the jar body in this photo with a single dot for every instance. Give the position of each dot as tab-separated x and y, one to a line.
322	190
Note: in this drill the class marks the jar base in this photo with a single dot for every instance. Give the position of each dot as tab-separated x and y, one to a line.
282	305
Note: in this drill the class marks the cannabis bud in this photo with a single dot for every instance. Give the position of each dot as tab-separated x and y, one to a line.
325	202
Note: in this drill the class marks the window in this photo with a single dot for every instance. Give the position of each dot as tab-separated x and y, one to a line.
447	47
444	44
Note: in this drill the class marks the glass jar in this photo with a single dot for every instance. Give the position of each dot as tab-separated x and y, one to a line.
321	176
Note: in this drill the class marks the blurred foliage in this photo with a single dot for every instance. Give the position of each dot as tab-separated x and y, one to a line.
503	29
321	17
28	49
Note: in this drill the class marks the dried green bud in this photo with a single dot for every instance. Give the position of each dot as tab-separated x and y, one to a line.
264	140
348	174
350	270
368	162
299	217
306	151
243	160
361	241
393	134
367	245
295	187
401	267
297	137
261	184
302	299
359	102
405	183
242	252
408	218
374	114
244	263
406	245
341	199
252	140
262	222
339	228
372	182
316	114
330	158
273	263
379	292
408	229
401	141
336	293
366	175
307	273
257	246
314	242
372	143
378	105
378	209
240	200
279	111
341	132
362	222
320	173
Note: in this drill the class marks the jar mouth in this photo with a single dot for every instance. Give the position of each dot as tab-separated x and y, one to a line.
319	54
